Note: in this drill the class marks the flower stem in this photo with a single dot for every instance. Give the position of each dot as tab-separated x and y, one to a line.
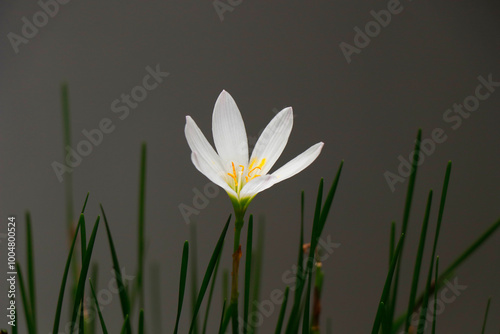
234	274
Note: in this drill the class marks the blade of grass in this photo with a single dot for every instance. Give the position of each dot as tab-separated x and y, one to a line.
81	321
225	284
85	203
406	217
83	244
435	302
257	260
210	293
470	250
418	263
141	322
141	226
63	283
248	273
67	143
31	270
126	325
68	182
306	328
221	326
392	241
320	217
94	274
281	316
208	273
25	297
442	203
182	283
124	300
83	274
292	325
98	309
387	286
194	271
486	315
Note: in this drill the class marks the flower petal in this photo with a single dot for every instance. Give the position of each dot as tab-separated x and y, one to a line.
205	168
299	163
200	145
257	185
229	132
273	140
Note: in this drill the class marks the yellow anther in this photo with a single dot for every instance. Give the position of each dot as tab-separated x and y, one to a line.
234	175
250	172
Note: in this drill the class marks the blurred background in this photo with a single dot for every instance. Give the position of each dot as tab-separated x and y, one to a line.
363	92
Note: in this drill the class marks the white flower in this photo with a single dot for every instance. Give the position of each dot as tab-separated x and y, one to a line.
243	178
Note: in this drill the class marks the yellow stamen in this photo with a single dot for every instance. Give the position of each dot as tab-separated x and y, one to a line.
234	175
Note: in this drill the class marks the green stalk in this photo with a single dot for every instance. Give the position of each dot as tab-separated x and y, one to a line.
486	315
68	184
248	272
236	264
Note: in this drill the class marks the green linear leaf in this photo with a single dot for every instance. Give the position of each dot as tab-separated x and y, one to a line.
387	286
98	308
418	263
63	283
222	329
306	328
182	283
141	322
257	260
25	298
406	217
392	241
208	273
248	273
83	274
442	203
94	274
85	203
126	325
281	316
210	293
125	304
194	271
435	301
486	315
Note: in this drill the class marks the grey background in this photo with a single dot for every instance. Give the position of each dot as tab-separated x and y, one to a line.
268	55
